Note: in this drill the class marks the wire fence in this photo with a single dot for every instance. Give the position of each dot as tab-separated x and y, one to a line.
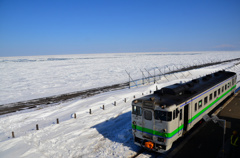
155	74
39	124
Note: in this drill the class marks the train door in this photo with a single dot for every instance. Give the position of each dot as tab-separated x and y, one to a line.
147	123
180	122
185	122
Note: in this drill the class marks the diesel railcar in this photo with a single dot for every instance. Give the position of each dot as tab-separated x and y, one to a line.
161	118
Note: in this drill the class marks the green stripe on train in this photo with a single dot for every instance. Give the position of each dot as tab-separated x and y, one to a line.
157	133
169	135
207	107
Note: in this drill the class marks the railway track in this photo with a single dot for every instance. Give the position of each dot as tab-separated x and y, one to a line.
145	153
13	107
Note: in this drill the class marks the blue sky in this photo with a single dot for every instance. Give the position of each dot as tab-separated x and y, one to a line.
48	27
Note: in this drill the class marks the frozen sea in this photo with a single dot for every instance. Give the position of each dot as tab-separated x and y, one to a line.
30	77
103	134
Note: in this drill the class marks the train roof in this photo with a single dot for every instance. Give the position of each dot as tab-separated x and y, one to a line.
180	92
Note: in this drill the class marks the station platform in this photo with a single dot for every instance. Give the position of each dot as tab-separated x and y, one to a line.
206	140
230	113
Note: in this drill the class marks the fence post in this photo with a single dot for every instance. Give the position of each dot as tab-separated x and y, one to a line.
57	121
13	136
125	100
103	107
37	127
115	103
130	78
90	111
75	115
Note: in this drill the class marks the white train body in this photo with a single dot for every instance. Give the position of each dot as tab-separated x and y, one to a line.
161	118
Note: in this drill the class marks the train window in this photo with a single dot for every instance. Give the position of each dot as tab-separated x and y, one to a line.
229	84
180	114
225	86
195	106
169	116
210	97
177	112
205	100
199	104
219	91
215	94
136	110
222	88
233	81
148	115
174	114
163	115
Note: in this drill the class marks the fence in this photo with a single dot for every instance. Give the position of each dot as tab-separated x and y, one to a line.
16	132
164	72
158	74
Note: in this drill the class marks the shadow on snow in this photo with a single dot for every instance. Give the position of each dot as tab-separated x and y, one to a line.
118	130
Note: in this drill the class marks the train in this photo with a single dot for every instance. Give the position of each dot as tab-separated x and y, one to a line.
160	118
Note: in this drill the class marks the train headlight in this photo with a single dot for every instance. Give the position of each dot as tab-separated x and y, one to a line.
135	101
163	106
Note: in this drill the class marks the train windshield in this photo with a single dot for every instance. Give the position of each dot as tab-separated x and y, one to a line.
136	110
163	115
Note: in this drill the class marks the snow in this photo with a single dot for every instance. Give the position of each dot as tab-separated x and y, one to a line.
25	78
104	133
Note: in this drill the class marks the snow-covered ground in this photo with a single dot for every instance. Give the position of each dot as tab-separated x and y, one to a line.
24	78
104	133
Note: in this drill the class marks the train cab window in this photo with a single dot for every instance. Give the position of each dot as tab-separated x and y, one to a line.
205	100
210	97
195	106
199	104
225	86
219	91
215	94
174	112
180	114
136	110
163	115
148	115
222	88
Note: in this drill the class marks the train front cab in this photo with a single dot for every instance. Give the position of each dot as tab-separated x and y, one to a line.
155	129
